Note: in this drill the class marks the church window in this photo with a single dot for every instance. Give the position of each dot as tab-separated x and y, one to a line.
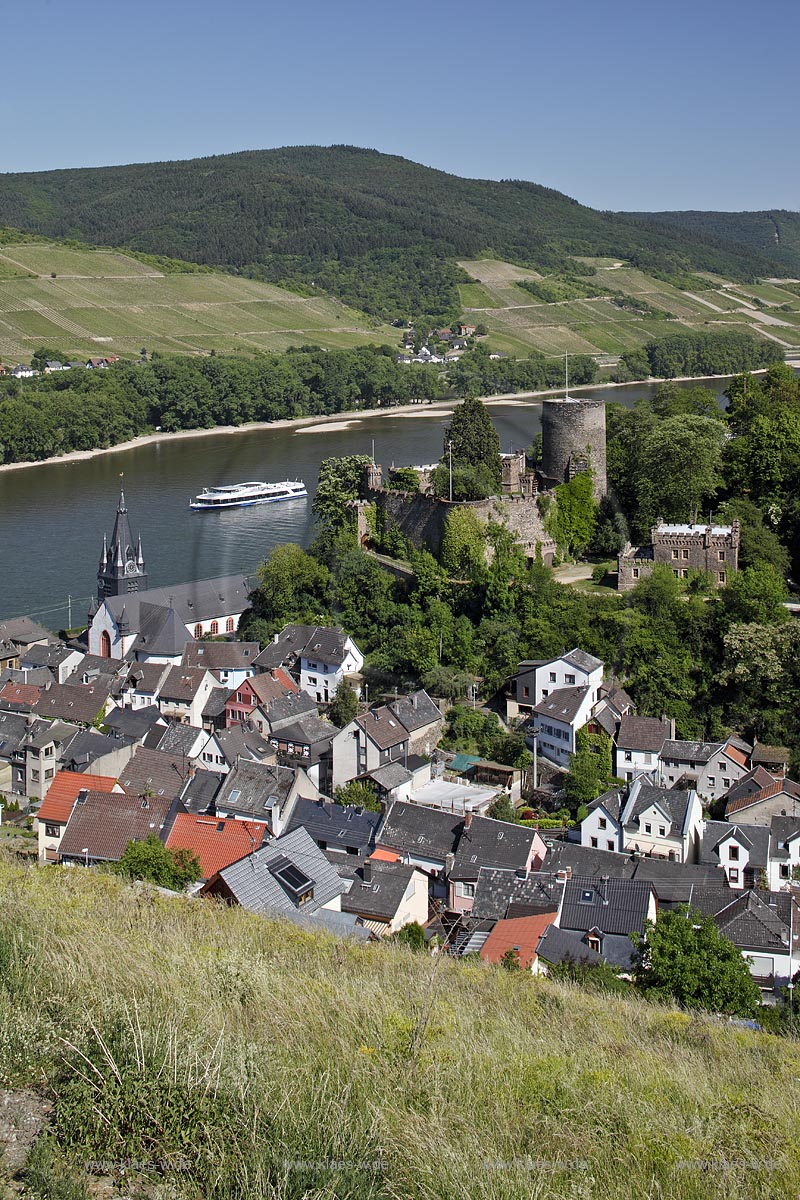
198	631
105	644
229	625
214	628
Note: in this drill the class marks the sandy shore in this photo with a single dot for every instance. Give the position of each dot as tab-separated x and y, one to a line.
339	421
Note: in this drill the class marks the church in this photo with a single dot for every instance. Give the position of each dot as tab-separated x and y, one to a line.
130	620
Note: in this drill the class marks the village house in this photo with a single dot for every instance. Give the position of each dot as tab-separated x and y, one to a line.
484	842
154	773
387	895
258	691
285	875
638	745
334	827
371	740
229	662
55	810
519	937
102	824
263	792
760	925
425	837
317	657
711	768
605	912
215	841
741	851
226	747
643	819
183	694
778	798
537	679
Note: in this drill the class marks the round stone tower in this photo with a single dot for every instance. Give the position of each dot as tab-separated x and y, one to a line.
573	440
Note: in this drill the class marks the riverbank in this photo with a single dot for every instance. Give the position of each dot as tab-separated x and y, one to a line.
341	420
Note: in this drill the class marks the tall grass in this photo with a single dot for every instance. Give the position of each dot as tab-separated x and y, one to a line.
220	1055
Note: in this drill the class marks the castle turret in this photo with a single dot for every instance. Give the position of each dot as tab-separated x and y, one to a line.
574	440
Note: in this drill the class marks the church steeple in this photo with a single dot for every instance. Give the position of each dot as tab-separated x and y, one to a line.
122	568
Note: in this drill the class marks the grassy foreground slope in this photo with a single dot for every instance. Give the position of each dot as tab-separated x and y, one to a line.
93	302
255	1059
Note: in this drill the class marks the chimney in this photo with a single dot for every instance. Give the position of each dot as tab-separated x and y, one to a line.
467	821
603	889
563	874
367	871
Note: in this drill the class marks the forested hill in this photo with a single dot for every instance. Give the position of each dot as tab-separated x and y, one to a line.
379	231
775	234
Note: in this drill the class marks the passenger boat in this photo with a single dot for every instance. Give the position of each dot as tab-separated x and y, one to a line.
238	495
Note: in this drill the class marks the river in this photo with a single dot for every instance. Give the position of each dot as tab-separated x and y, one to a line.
53	516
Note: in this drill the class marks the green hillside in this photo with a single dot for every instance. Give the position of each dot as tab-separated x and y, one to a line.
240	1059
86	303
775	234
378	231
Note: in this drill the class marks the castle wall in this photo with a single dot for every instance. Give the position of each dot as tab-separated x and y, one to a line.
574	433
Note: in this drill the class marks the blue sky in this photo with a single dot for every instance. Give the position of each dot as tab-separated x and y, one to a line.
619	104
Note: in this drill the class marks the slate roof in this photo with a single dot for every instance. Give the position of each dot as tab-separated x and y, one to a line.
199	600
616	906
105	822
256	888
81	702
13	727
133	722
415	711
147	677
23	631
519	934
245	742
215	704
199	791
251	788
335	825
38	677
422	832
498	889
326	643
490	843
63	792
706	900
692	752
582	660
182	684
383	728
217	841
390	776
224	656
563	704
153	771
160	629
180	739
587	861
674	802
646	734
287	708
310	730
752	924
52	655
43	732
755	838
87	746
781	831
380	898
558	946
612	801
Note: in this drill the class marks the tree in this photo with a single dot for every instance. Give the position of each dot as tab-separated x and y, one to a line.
344	705
475	440
573	519
292	586
411	935
590	770
502	809
358	794
464	544
678	469
340	482
510	960
756	594
403	479
684	957
151	860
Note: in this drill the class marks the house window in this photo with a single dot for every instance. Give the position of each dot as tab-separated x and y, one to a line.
712	781
610	845
684	554
593	943
674	553
733	875
722	576
684	574
312	679
601	824
594	843
52	831
785	871
628	756
526	692
635	572
49	773
721	555
726	783
35	776
214	628
569	679
648	758
662	831
467	890
229	625
647	828
733	853
552	676
198	631
677	574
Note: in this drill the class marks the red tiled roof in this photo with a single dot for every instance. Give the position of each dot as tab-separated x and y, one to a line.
516	933
385	855
737	755
20	693
773	789
216	841
63	791
268	686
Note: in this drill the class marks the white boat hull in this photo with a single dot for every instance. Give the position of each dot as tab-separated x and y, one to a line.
217	498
